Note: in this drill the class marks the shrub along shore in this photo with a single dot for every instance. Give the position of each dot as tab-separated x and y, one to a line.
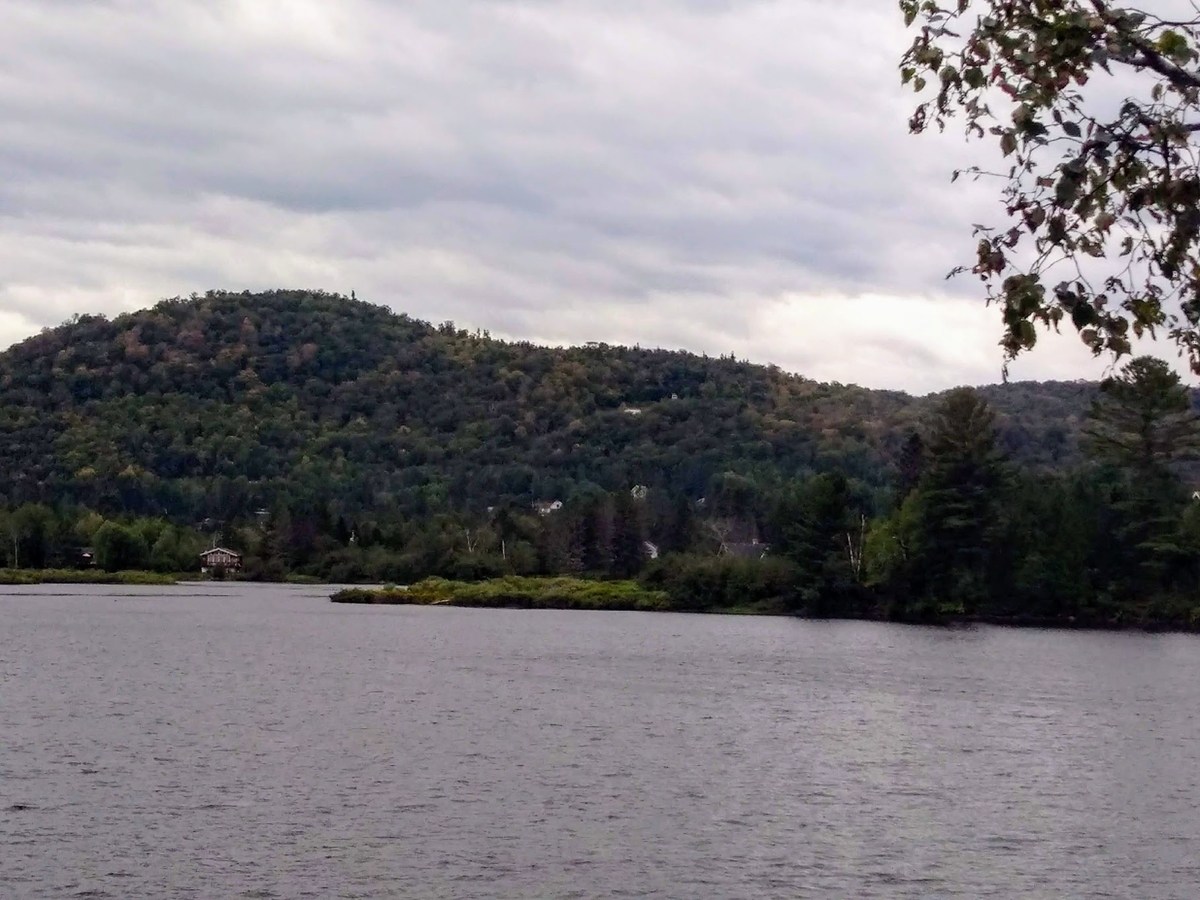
743	598
83	576
516	593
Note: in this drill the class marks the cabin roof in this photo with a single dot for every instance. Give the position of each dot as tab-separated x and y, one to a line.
220	550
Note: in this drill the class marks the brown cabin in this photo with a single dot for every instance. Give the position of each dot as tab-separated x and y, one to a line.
220	558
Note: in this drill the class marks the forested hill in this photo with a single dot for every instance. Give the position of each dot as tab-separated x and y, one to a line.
224	404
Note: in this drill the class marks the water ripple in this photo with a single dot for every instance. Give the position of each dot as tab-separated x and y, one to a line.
258	742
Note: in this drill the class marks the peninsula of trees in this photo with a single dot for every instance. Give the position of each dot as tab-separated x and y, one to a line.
328	438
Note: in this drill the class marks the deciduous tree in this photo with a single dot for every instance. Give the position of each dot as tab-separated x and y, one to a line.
1095	106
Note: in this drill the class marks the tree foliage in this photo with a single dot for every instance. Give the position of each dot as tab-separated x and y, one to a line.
935	548
223	405
1095	106
329	439
120	547
1143	419
1142	425
959	494
818	525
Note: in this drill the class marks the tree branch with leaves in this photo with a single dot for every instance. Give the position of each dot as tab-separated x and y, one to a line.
1103	197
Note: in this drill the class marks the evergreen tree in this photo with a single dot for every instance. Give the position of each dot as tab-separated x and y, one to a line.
1143	420
682	530
910	465
1142	424
1047	546
593	517
629	536
558	538
958	495
816	526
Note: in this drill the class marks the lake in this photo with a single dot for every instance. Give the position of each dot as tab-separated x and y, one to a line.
257	741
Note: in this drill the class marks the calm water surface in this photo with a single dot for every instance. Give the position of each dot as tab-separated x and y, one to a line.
261	742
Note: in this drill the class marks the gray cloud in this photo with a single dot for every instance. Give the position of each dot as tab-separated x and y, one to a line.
720	176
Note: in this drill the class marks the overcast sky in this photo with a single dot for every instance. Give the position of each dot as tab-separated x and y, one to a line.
716	175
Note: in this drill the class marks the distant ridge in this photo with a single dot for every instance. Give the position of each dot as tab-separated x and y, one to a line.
223	403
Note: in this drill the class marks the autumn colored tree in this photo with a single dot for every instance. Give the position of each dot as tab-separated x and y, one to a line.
1095	106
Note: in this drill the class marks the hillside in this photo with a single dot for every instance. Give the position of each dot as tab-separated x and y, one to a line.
223	404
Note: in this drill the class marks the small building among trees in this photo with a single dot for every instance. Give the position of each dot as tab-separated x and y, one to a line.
220	558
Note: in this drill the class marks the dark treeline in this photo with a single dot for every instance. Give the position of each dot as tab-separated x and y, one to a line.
37	536
331	439
966	533
1113	541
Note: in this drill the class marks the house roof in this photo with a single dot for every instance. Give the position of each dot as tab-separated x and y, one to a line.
220	550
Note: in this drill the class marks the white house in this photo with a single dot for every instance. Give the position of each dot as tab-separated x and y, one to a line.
545	507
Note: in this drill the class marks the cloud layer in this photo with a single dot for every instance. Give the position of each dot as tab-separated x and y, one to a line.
718	175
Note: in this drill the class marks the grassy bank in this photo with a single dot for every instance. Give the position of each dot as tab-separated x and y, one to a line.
516	593
82	576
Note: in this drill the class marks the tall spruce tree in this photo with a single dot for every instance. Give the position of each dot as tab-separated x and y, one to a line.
1143	420
1142	425
957	504
629	535
814	525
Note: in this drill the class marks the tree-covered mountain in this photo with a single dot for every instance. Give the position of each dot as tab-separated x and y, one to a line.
220	405
322	437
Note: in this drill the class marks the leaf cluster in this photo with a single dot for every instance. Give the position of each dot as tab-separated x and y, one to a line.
1103	197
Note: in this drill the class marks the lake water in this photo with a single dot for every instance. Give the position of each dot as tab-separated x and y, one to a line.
236	741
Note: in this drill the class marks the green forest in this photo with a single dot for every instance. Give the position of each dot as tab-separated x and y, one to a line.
323	437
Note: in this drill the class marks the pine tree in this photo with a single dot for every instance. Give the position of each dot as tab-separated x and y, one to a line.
1142	424
1143	420
910	465
815	526
957	500
629	536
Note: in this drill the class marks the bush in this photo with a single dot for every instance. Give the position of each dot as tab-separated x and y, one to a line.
706	583
119	548
81	576
518	592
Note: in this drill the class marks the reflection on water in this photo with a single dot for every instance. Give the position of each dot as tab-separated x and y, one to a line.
225	741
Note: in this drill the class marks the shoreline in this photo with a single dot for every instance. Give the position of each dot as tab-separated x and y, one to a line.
566	593
627	596
19	577
515	592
